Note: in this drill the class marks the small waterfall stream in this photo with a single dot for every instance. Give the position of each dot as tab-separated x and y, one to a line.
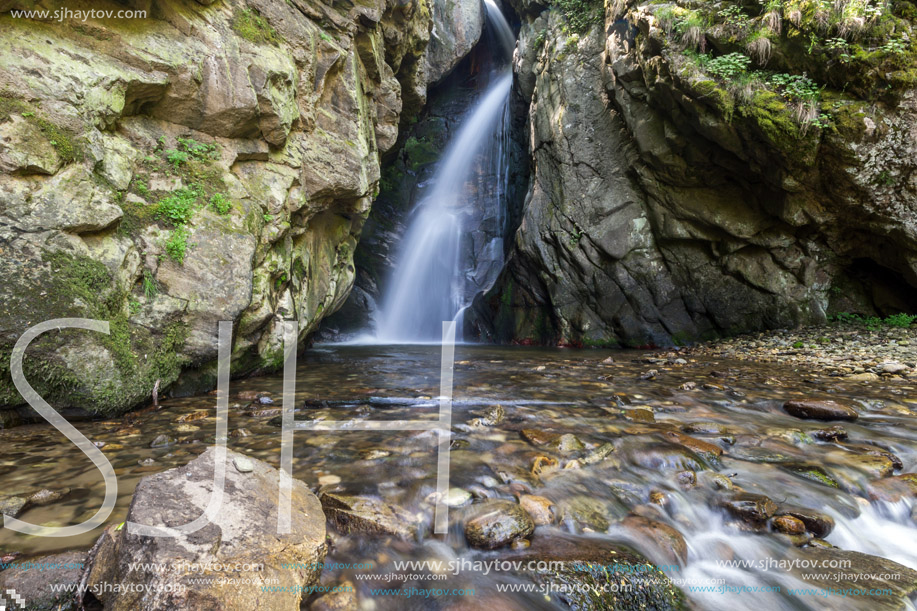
453	248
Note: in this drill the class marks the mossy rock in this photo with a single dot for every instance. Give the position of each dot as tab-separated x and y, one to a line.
103	374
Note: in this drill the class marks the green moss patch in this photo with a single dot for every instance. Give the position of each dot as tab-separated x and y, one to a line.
250	25
62	139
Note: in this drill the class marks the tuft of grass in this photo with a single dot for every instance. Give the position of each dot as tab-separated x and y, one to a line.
758	45
150	288
177	244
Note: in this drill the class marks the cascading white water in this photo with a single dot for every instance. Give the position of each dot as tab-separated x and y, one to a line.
442	263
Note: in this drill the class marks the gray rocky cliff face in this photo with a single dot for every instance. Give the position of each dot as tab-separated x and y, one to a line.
213	161
663	208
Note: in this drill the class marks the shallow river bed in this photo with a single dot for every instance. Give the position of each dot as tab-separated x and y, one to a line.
687	439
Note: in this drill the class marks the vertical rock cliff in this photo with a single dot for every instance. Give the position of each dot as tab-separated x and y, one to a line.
701	170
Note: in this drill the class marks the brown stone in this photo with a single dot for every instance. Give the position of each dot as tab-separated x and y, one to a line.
820	410
368	515
662	536
497	523
789	525
538	438
194	416
894	489
752	508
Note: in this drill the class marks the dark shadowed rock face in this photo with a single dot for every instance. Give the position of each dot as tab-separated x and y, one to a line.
662	208
243	536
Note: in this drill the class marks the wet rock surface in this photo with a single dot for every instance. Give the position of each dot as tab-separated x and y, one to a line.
368	515
589	570
497	523
752	508
820	410
260	125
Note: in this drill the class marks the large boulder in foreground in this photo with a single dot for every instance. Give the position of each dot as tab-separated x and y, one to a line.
243	540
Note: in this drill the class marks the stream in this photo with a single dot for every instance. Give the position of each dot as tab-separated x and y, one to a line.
660	413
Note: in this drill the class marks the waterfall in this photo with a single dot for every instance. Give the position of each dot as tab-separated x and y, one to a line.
453	248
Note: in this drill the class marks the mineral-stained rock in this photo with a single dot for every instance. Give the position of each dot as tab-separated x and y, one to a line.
752	508
496	523
242	533
820	410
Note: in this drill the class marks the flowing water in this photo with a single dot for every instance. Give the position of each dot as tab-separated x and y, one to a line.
447	256
651	471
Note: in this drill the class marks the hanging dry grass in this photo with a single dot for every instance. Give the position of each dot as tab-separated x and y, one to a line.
759	49
773	22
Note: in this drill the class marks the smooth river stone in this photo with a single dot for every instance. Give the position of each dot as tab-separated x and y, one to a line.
498	523
820	410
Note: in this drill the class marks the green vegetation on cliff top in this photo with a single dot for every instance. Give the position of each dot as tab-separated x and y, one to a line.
798	49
